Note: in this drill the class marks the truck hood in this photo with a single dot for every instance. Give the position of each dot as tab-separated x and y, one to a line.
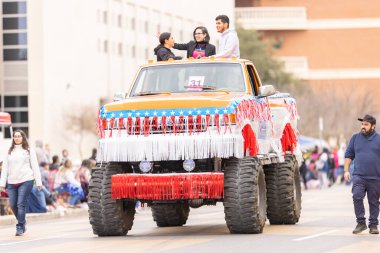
175	101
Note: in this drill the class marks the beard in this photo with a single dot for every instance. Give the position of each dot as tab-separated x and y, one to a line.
365	132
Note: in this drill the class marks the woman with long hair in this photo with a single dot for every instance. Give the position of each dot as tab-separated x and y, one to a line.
200	46
20	170
163	51
65	182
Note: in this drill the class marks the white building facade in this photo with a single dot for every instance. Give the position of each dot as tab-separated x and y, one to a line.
66	57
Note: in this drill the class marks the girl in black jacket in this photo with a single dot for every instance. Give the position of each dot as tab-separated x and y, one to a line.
163	51
200	46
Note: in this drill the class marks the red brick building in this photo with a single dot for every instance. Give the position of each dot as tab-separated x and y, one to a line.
321	41
327	43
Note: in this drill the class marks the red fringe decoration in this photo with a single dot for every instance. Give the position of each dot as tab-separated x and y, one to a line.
181	123
112	124
207	121
155	122
120	125
130	125
216	117
288	139
250	140
146	126
168	186
164	124
138	125
226	123
174	124
252	110
191	124
199	123
99	126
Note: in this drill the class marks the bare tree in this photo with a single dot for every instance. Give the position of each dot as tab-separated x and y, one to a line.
81	121
339	106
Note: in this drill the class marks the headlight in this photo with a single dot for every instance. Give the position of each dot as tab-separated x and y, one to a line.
145	166
188	165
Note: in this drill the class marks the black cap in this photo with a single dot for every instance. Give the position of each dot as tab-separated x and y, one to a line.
369	119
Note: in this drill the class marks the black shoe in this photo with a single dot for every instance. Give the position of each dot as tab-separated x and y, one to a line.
359	228
373	229
19	231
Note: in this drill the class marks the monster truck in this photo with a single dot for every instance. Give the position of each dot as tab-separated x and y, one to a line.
196	132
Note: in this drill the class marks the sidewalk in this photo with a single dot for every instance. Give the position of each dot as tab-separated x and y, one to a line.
32	217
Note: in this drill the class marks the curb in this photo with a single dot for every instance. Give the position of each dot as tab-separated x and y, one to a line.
32	217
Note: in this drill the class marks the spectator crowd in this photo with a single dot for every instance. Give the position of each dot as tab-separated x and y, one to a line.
322	168
65	185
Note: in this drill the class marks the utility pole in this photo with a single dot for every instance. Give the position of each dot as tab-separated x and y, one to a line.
320	121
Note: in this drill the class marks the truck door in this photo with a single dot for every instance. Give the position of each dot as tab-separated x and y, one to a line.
253	79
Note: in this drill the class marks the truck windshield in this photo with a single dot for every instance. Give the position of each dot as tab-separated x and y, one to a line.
175	78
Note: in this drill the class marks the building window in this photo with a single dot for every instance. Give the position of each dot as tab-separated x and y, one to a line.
146	25
14	7
133	23
14	23
7	132
15	101
105	46
105	17
19	117
159	28
15	54
181	35
146	53
15	39
133	51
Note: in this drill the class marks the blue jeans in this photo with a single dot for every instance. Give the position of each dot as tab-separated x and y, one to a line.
18	199
36	201
74	197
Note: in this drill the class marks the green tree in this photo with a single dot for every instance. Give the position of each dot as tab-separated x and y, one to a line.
270	70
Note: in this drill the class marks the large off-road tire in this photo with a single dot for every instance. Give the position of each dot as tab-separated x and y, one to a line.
170	215
244	196
108	217
283	192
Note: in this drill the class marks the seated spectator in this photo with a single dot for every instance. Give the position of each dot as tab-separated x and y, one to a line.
4	193
44	169
83	175
65	182
53	169
36	201
93	154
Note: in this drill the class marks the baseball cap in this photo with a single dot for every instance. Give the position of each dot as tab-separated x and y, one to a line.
368	118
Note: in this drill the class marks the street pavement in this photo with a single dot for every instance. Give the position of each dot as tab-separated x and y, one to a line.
326	225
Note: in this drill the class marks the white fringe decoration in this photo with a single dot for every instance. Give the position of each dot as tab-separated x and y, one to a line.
157	147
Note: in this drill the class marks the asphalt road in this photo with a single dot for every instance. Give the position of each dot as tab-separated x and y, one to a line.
326	225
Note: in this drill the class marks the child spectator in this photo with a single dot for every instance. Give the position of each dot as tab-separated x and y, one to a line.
83	175
65	182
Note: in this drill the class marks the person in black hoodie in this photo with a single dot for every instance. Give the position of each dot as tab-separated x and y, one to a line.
163	51
200	46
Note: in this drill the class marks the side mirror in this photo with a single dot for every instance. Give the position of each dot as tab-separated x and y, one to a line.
267	90
119	96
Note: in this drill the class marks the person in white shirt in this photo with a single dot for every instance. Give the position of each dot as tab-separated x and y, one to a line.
229	41
65	182
20	170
